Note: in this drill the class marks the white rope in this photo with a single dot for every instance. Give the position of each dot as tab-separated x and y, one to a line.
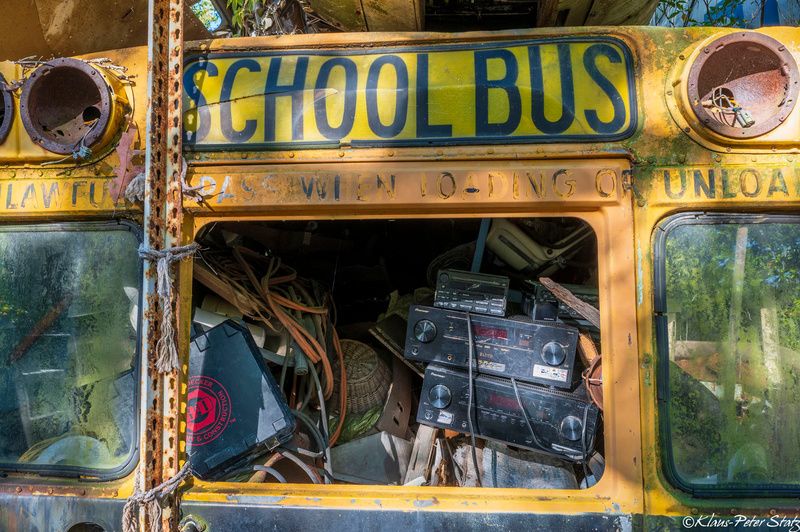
151	500
135	189
167	360
193	192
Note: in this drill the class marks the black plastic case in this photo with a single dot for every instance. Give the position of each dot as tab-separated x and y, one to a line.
235	409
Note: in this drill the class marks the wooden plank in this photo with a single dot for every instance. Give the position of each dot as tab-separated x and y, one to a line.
573	12
595	12
345	15
421	454
591	314
617	12
586	348
393	15
53	28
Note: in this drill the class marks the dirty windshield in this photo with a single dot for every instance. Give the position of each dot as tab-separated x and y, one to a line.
68	310
733	314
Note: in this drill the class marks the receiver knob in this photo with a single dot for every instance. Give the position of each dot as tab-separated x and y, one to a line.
424	331
571	428
553	353
439	396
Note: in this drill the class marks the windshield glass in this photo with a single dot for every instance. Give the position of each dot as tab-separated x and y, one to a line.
68	311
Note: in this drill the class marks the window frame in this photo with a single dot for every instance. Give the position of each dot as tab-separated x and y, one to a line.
87	473
662	231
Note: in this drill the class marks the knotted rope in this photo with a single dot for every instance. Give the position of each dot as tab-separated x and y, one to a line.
194	192
135	189
167	359
151	500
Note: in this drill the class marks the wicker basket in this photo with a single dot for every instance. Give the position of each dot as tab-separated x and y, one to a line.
368	377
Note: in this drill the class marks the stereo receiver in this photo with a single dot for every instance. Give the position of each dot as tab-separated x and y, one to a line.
560	423
530	351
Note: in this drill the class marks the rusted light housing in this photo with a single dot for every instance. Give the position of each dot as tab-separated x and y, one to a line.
67	104
6	110
743	85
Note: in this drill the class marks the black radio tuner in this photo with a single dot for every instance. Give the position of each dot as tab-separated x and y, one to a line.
559	423
527	350
480	293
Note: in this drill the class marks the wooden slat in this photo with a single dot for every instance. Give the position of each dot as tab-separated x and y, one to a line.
583	308
617	12
586	348
596	12
393	15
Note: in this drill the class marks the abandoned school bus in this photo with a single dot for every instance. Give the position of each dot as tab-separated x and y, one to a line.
522	279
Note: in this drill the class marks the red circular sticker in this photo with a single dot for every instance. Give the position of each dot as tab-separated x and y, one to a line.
208	411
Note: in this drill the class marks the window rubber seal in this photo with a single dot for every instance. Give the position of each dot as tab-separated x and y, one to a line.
661	232
86	474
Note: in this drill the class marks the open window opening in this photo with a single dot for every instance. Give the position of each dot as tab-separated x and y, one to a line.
458	352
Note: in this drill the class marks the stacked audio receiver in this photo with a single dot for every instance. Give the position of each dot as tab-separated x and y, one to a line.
523	390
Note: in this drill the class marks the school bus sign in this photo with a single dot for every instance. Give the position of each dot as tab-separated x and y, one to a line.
566	89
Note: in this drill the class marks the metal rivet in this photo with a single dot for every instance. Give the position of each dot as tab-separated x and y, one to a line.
341	154
291	155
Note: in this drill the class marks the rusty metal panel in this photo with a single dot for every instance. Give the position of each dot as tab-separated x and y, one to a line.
765	184
410	187
172	150
75	195
32	512
162	221
249	515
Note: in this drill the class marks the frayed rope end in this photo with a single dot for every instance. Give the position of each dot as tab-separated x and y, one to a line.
167	360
